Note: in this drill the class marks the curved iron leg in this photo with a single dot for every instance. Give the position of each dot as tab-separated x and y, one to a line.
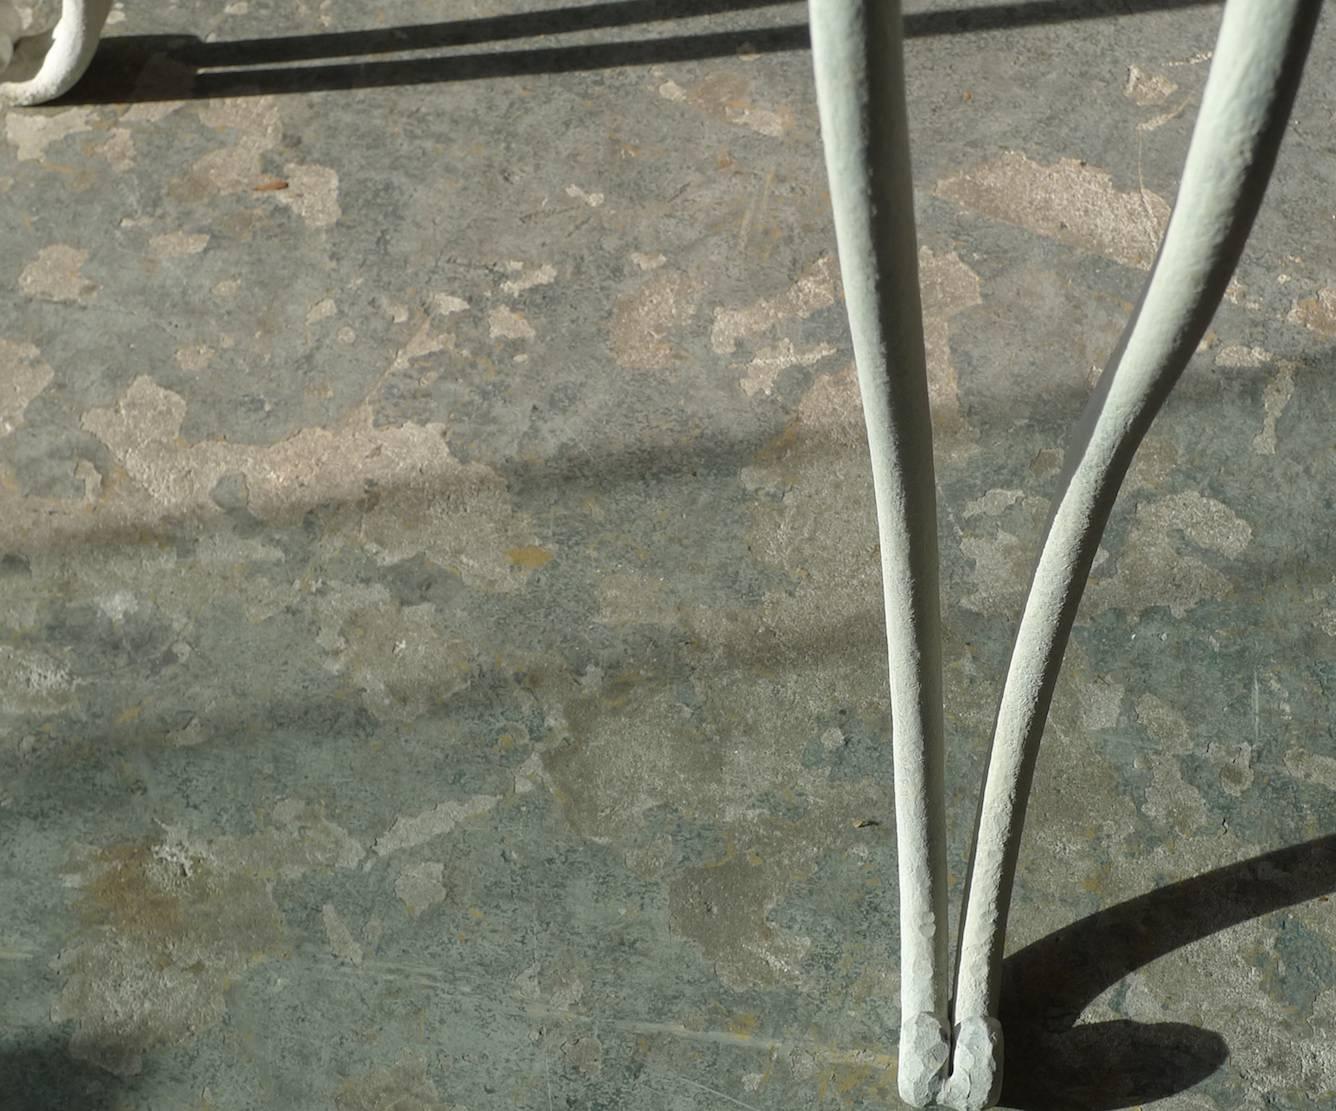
1254	76
46	65
856	46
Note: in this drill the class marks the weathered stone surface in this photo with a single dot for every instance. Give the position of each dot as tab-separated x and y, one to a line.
445	502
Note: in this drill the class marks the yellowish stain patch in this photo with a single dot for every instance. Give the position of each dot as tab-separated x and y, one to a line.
744	1025
530	557
1317	313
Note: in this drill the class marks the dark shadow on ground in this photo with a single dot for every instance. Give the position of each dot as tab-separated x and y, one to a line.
142	68
41	1076
1052	1063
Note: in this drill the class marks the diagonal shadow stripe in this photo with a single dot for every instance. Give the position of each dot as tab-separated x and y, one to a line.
256	66
1053	1063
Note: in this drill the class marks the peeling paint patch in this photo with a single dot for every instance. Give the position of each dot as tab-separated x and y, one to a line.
231	170
503	322
322	310
644	322
34	682
23	375
54	275
1153	570
341	941
728	97
195	358
1236	355
1101	704
1069	202
32	132
407	833
85	472
992	504
948	287
583	1055
256	127
1233	765
768	363
458	514
1146	88
530	774
542	275
445	304
1165	725
177	244
1311	767
312	193
1162	118
814	291
763	121
1275	398
421	886
1208	523
401	658
1170	800
593	200
424	342
1001	568
117	605
119	149
648	262
1317	313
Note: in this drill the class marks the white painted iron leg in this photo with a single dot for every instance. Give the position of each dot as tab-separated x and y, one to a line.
1254	76
46	65
856	46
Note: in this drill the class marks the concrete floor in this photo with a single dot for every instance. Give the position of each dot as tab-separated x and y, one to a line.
440	652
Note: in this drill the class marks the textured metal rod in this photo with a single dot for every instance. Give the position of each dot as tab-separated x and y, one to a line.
45	65
858	57
1249	93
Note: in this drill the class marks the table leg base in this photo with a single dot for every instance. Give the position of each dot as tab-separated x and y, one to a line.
976	1065
925	1053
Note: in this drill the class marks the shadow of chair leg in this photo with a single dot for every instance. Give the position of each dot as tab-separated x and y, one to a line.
1055	1061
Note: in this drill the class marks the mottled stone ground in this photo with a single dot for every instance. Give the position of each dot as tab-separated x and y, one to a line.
440	654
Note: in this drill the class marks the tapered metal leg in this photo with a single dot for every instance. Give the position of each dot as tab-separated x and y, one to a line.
1254	76
856	45
858	58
